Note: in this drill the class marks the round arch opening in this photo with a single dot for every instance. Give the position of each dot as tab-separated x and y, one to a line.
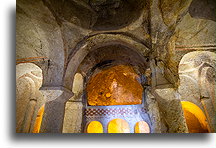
118	126
195	118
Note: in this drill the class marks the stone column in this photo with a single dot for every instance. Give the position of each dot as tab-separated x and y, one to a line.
170	106
153	111
29	115
73	117
56	98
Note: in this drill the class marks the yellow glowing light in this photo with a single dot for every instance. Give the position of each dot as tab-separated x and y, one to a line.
195	118
95	127
142	127
38	120
117	85
118	126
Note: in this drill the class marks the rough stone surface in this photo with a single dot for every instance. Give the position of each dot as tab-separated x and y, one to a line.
210	112
54	108
70	36
116	85
153	111
73	117
170	106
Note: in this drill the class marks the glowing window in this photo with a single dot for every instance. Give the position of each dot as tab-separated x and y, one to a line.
95	127
142	127
195	118
38	120
118	126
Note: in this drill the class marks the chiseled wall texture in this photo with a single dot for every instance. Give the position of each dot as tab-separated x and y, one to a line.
67	37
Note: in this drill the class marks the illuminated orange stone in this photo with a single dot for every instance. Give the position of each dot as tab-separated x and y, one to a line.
195	118
117	85
142	127
95	127
118	126
38	120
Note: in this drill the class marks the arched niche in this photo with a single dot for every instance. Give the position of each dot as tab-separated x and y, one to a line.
94	127
77	83
195	118
28	97
118	126
142	127
101	40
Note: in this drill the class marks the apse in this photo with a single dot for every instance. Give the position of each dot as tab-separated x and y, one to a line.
116	85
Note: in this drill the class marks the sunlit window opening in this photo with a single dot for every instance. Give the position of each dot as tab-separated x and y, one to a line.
95	127
195	118
142	127
118	126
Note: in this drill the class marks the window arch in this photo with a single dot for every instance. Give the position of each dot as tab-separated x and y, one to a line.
94	127
195	118
118	126
142	127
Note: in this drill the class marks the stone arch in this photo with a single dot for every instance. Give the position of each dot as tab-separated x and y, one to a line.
194	67
94	42
79	54
197	82
29	99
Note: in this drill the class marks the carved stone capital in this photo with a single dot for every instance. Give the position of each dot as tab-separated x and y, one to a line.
56	93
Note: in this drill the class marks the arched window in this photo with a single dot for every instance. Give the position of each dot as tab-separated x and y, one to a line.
118	126
77	83
95	127
195	118
142	127
38	120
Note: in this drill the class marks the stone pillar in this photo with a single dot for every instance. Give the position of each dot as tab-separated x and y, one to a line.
153	111
56	98
73	117
29	115
170	106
